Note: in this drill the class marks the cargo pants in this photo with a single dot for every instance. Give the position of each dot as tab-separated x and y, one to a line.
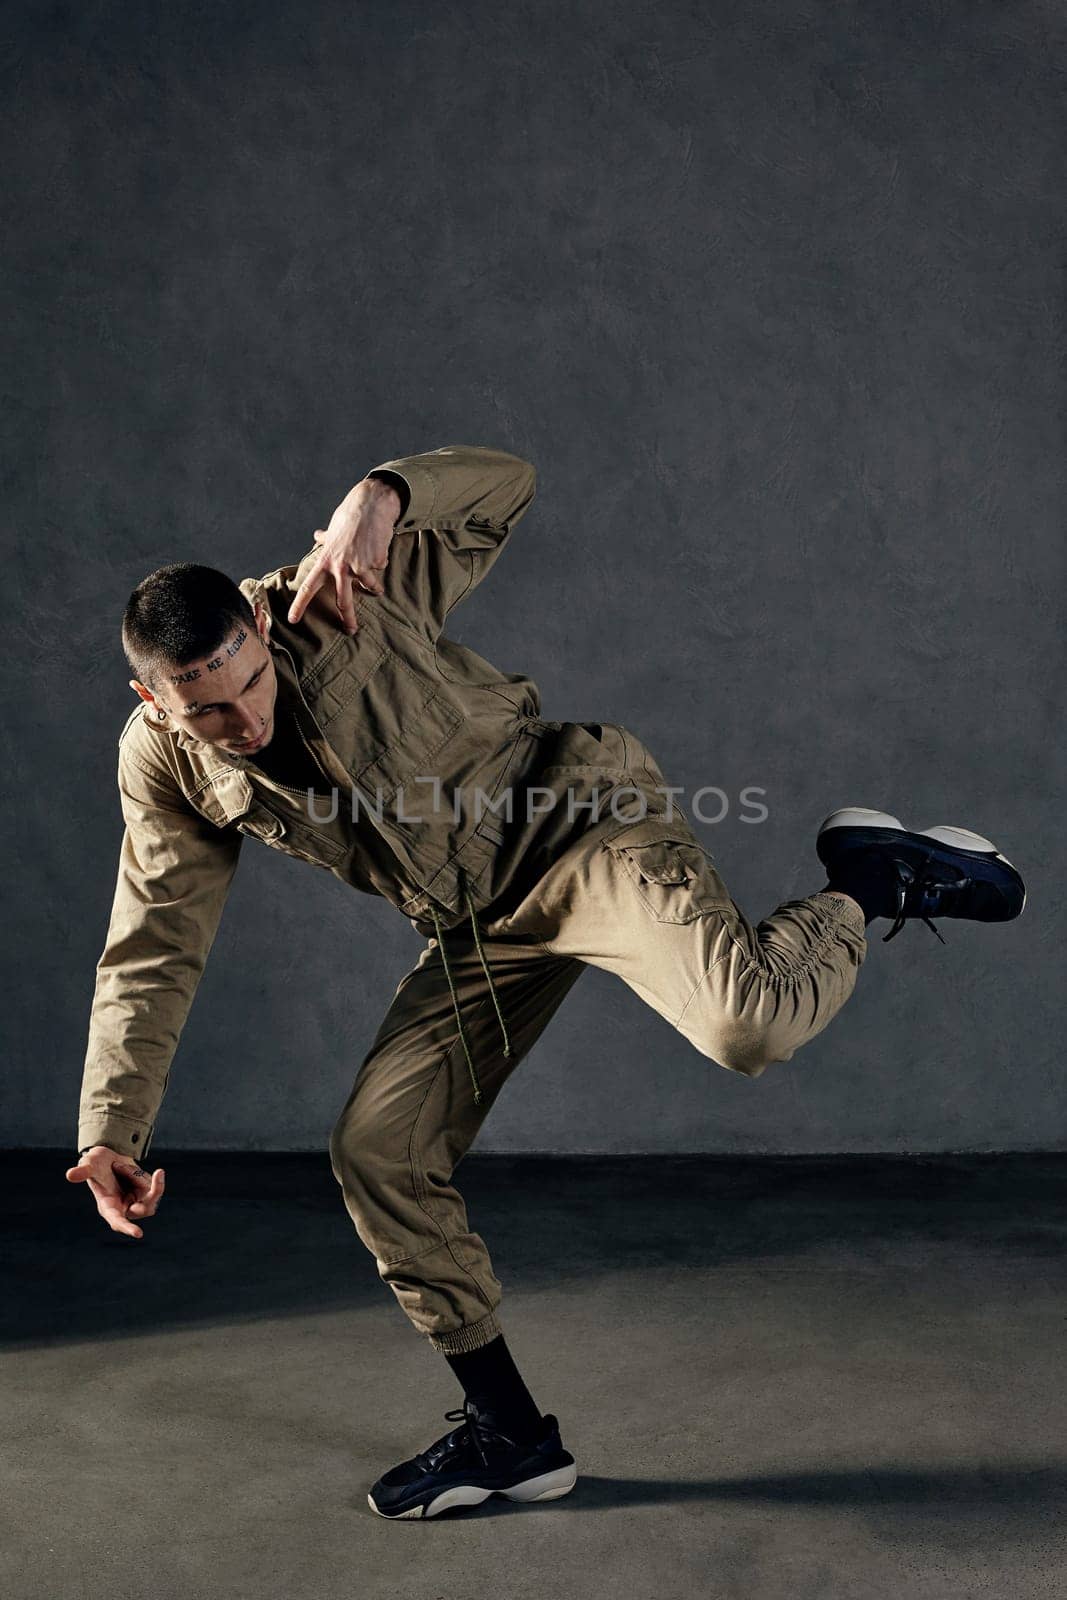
641	899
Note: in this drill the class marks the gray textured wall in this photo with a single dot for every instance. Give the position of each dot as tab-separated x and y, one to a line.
768	295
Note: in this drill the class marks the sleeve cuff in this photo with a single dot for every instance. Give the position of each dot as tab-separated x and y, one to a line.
125	1137
418	484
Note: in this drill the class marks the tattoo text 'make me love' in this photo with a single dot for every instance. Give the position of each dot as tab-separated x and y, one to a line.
218	661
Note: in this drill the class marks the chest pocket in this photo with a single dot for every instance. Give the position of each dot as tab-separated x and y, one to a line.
291	837
387	718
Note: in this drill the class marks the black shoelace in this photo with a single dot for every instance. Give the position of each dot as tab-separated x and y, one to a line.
429	1458
917	891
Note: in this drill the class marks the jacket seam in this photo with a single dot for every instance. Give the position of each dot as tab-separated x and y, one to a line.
466	591
320	666
148	772
356	685
424	755
164	778
514	701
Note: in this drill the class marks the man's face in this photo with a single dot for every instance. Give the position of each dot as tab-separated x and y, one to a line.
228	698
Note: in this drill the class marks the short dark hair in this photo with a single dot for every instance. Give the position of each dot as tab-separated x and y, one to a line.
177	615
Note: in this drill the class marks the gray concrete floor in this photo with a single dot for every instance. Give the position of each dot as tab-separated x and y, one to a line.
789	1377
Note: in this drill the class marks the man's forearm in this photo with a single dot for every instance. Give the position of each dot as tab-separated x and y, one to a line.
398	493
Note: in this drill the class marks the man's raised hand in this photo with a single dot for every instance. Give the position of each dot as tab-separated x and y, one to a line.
121	1188
355	549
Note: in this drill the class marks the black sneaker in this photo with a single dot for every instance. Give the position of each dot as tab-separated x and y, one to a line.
475	1460
936	872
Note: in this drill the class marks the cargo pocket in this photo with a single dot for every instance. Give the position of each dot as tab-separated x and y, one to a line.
674	876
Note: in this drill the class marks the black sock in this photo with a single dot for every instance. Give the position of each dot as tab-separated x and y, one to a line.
869	878
857	892
493	1383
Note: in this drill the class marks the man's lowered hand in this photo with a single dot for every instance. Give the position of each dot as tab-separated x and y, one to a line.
121	1188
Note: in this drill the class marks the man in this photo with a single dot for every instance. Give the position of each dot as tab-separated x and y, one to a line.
359	738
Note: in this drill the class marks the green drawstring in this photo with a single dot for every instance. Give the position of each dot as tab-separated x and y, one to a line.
452	987
485	969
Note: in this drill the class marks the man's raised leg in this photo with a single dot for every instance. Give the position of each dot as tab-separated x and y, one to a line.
645	900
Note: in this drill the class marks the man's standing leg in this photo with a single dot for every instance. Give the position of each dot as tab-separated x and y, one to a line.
410	1119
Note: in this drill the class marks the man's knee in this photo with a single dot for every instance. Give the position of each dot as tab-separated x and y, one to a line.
745	1047
357	1145
376	1181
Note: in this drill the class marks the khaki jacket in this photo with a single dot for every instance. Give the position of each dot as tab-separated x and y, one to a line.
394	703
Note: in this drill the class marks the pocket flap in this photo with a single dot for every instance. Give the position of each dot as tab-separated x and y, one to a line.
292	837
260	823
650	830
226	797
662	851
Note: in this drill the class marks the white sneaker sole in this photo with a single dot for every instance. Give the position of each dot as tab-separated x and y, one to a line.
549	1486
961	839
860	817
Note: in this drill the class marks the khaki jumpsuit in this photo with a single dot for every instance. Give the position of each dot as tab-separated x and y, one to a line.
524	850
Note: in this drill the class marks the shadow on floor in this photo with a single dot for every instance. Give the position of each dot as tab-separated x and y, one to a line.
252	1235
970	1507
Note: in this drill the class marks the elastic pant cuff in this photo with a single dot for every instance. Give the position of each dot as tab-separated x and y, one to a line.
848	910
471	1337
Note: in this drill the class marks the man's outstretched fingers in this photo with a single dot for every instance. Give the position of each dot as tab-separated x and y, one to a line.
310	586
112	1207
145	1205
117	1220
143	1183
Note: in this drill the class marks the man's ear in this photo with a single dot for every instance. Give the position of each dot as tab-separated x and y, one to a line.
263	620
146	694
